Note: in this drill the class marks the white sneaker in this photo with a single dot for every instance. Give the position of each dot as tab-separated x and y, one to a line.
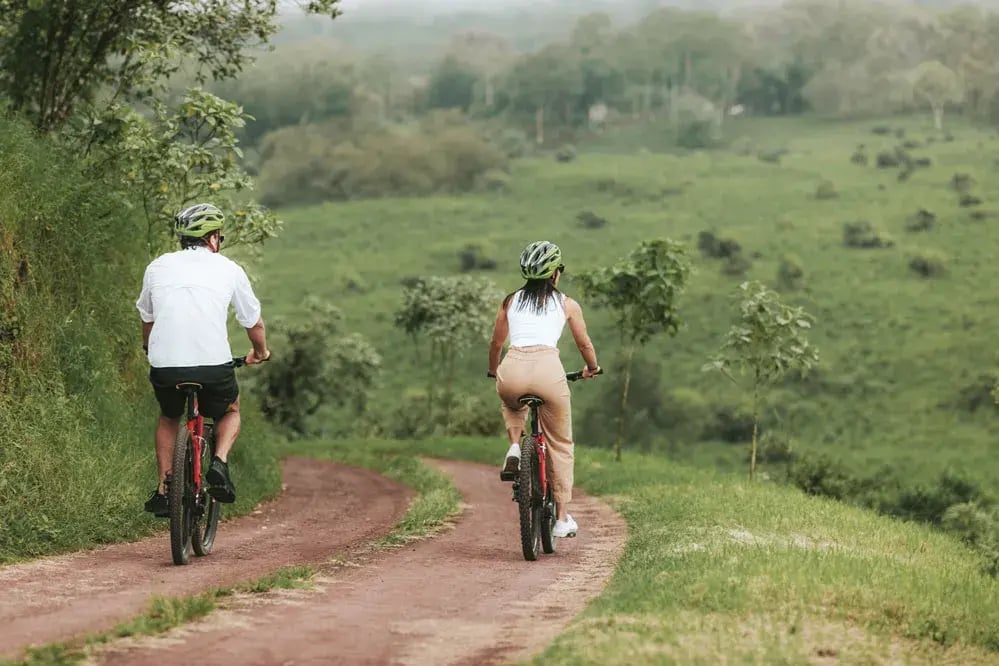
511	463
565	528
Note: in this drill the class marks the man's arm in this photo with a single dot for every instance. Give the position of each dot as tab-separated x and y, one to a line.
258	338
147	328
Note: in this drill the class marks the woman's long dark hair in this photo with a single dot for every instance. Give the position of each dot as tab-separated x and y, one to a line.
537	294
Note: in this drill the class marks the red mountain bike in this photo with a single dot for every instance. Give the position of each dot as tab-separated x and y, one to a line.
194	514
532	489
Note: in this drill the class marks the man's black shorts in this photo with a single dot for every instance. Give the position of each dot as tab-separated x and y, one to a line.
219	388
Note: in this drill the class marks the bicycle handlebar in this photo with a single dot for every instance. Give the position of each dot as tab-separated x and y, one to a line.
576	376
239	362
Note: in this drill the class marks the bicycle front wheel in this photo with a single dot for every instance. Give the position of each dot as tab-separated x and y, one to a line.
181	496
529	501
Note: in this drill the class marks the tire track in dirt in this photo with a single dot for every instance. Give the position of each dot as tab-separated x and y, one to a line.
464	597
325	509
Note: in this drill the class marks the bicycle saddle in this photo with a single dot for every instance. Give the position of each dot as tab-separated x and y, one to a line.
531	400
189	385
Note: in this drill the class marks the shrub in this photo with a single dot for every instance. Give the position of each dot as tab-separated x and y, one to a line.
980	215
826	190
716	247
922	162
929	504
772	156
911	144
308	164
881	130
962	182
470	258
730	423
566	153
790	273
590	220
737	264
928	264
860	156
922	220
514	142
977	394
696	133
862	235
969	200
494	180
888	160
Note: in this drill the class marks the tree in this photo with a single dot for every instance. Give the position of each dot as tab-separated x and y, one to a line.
452	85
939	85
642	291
56	55
768	341
449	314
547	83
318	367
485	53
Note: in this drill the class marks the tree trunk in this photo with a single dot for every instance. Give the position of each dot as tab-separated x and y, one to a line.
539	122
490	92
938	114
756	421
630	355
449	388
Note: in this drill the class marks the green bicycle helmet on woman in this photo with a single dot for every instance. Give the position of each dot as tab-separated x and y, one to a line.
198	221
540	260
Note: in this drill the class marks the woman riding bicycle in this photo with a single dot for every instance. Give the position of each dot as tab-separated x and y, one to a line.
533	318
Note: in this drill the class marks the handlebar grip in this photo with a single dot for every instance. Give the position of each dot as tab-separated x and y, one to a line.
576	376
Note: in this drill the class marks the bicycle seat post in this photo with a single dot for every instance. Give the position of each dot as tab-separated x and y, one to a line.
534	403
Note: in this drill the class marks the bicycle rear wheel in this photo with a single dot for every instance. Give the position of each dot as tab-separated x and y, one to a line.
207	524
548	516
181	497
529	500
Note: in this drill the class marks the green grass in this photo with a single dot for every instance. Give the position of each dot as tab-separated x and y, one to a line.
896	349
719	570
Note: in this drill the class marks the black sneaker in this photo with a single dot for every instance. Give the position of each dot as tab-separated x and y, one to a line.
219	484
158	505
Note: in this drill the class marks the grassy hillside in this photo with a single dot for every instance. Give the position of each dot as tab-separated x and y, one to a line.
898	349
717	570
76	410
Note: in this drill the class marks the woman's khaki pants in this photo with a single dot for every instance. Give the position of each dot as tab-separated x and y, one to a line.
538	370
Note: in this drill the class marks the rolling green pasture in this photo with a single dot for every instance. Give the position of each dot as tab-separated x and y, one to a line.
897	349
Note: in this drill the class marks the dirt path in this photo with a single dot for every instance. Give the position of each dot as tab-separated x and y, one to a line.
464	597
325	509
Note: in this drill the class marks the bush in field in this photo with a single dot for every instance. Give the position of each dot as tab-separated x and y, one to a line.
826	190
318	367
790	273
737	264
716	247
445	153
968	200
863	235
962	182
860	156
590	220
566	153
494	180
928	263
888	160
922	220
470	258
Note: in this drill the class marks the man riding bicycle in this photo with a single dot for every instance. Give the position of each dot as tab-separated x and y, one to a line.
184	306
533	318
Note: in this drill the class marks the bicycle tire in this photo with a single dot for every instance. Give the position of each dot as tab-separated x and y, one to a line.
548	538
530	507
181	488
206	526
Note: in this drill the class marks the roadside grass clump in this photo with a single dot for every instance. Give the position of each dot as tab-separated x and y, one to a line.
826	190
566	154
76	411
712	559
590	220
790	273
716	246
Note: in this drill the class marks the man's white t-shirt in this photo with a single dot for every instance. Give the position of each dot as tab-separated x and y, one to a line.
186	296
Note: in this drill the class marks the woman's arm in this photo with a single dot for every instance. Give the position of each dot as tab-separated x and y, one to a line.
577	325
501	329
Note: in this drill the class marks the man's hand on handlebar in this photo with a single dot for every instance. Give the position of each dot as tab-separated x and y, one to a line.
253	359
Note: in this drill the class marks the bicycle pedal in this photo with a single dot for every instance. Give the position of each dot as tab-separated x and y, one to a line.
508	476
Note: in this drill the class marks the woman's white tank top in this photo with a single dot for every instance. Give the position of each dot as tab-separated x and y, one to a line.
529	329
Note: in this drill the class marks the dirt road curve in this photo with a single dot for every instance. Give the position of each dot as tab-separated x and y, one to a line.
325	510
464	597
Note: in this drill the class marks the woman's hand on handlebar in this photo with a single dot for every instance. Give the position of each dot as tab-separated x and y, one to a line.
590	374
253	359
